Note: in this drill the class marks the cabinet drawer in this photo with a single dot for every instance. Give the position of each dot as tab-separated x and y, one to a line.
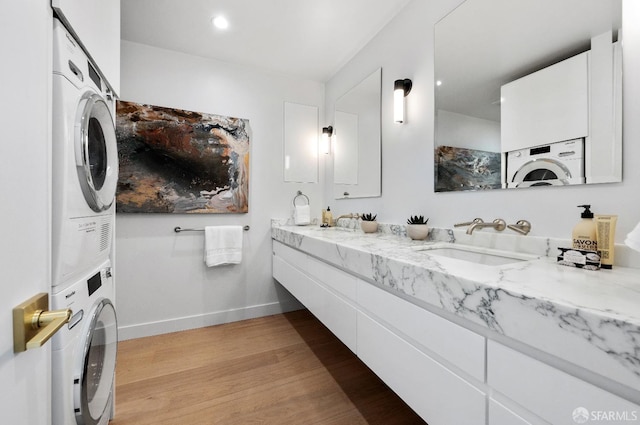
462	347
501	415
438	395
336	279
548	392
337	314
290	255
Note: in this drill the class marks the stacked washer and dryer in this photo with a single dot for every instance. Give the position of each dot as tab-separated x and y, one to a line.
85	173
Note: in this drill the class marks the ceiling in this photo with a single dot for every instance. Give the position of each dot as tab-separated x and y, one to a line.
484	44
309	39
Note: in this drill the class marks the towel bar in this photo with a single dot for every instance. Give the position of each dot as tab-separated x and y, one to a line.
179	229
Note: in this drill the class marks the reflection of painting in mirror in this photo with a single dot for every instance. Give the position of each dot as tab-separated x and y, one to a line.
177	161
539	72
357	151
466	169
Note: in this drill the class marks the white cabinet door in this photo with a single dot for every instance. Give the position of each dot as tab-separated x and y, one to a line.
439	396
551	105
548	392
25	166
97	25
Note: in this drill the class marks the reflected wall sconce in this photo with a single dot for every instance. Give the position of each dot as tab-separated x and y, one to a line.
327	132
401	88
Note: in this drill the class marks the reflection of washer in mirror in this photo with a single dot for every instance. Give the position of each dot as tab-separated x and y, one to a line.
556	164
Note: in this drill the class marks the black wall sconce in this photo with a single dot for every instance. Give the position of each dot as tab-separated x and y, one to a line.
401	88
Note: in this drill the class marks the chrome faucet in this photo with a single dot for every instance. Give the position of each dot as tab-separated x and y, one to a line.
477	223
522	226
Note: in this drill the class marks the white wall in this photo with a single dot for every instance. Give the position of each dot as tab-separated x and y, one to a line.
404	49
162	282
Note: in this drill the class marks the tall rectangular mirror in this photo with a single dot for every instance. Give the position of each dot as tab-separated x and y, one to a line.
300	143
528	93
357	144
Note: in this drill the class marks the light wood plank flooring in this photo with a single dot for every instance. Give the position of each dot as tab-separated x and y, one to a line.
282	369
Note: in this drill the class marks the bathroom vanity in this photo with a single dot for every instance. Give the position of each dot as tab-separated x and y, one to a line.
463	341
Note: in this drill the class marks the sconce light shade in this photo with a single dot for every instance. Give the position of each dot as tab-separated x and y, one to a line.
327	132
401	88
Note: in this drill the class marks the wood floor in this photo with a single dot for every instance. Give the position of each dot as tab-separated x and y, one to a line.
282	369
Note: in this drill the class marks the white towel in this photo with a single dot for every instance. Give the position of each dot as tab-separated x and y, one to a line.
222	245
302	215
633	238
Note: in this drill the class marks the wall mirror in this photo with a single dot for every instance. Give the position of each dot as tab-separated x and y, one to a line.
528	93
357	144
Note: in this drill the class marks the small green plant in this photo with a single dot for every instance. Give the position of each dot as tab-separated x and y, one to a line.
368	217
414	219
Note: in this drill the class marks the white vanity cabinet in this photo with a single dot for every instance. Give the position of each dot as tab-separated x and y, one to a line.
428	361
446	372
326	293
547	106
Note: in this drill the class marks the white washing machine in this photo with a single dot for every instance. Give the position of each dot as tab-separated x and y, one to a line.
85	161
84	351
555	164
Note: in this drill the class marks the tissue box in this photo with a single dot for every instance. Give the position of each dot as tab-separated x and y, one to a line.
588	260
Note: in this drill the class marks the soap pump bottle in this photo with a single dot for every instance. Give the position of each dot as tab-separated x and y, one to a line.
329	217
584	233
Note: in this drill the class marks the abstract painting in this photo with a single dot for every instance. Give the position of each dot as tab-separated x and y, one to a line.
177	161
467	169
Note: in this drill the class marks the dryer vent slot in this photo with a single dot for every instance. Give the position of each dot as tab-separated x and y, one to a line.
105	235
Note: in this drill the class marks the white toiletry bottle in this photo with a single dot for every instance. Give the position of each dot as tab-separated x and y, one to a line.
584	233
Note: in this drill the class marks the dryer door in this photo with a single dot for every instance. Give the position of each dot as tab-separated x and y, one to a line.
96	152
95	370
541	172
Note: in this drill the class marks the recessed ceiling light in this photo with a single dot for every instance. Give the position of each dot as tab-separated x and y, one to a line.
220	22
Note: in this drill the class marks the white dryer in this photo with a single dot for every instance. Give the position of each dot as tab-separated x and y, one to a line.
555	164
85	161
84	351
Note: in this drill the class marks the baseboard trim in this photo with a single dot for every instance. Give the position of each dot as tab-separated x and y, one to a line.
204	320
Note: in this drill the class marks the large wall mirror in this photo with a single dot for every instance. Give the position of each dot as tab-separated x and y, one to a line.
528	93
357	144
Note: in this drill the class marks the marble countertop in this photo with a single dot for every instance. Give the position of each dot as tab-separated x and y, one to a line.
589	318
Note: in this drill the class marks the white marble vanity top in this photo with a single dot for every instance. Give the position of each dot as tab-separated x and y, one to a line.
589	318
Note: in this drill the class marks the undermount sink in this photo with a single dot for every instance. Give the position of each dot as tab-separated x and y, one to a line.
477	255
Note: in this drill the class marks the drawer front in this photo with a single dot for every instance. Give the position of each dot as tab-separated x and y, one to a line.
460	346
334	312
292	256
336	279
501	415
438	395
550	393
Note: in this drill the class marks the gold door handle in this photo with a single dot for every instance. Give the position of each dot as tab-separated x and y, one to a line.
33	324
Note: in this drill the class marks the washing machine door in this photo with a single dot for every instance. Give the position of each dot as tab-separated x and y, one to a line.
95	369
96	152
541	172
